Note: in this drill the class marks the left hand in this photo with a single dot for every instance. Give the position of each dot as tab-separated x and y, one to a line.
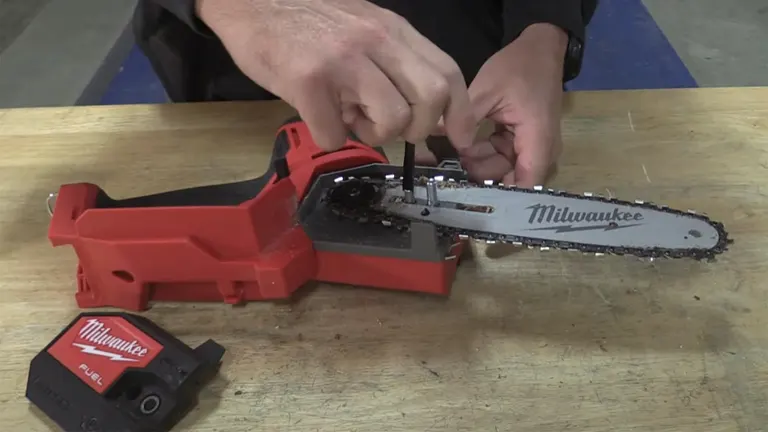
520	89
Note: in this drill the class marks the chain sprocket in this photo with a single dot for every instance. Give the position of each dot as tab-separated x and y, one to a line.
356	199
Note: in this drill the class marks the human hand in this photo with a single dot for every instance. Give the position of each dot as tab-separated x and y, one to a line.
345	65
520	90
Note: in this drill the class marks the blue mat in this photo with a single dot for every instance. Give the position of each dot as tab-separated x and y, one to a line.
625	49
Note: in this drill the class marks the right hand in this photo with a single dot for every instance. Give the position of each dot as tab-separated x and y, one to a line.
346	65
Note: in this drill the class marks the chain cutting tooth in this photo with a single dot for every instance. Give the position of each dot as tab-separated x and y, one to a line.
390	176
587	194
538	188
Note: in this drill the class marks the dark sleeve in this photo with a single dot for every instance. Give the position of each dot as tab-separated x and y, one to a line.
184	11
172	38
570	15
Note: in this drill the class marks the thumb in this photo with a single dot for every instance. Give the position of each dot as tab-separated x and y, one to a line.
322	113
533	144
439	129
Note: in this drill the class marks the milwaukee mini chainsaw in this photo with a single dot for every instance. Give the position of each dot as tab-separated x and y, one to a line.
348	217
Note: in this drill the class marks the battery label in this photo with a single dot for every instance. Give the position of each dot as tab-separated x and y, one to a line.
99	349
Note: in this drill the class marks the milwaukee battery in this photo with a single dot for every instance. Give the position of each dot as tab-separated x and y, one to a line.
119	372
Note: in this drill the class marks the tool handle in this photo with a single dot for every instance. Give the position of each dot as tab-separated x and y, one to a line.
226	194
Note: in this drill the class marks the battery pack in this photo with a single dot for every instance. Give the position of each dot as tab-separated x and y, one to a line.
119	372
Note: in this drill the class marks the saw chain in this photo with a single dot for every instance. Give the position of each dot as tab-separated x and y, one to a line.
360	200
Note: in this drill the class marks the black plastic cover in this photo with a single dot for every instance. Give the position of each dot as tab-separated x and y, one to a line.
119	372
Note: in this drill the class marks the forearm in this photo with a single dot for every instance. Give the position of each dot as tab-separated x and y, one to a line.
572	16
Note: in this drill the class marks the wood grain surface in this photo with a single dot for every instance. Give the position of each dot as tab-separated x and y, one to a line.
528	340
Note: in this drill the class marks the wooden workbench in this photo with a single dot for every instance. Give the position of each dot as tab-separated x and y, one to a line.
528	341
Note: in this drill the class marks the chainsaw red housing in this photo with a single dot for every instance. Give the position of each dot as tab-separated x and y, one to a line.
254	250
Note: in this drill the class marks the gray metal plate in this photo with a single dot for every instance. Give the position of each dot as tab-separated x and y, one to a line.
557	218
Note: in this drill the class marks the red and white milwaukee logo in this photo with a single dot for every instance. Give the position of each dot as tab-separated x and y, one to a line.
94	336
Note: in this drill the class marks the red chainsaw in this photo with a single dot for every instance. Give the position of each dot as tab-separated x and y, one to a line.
345	217
257	239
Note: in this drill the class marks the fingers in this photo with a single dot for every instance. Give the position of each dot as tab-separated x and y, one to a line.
528	154
533	145
480	150
439	130
430	81
503	141
483	162
374	108
494	168
485	98
404	87
457	120
321	110
424	88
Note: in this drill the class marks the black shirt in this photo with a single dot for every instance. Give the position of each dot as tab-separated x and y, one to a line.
193	65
